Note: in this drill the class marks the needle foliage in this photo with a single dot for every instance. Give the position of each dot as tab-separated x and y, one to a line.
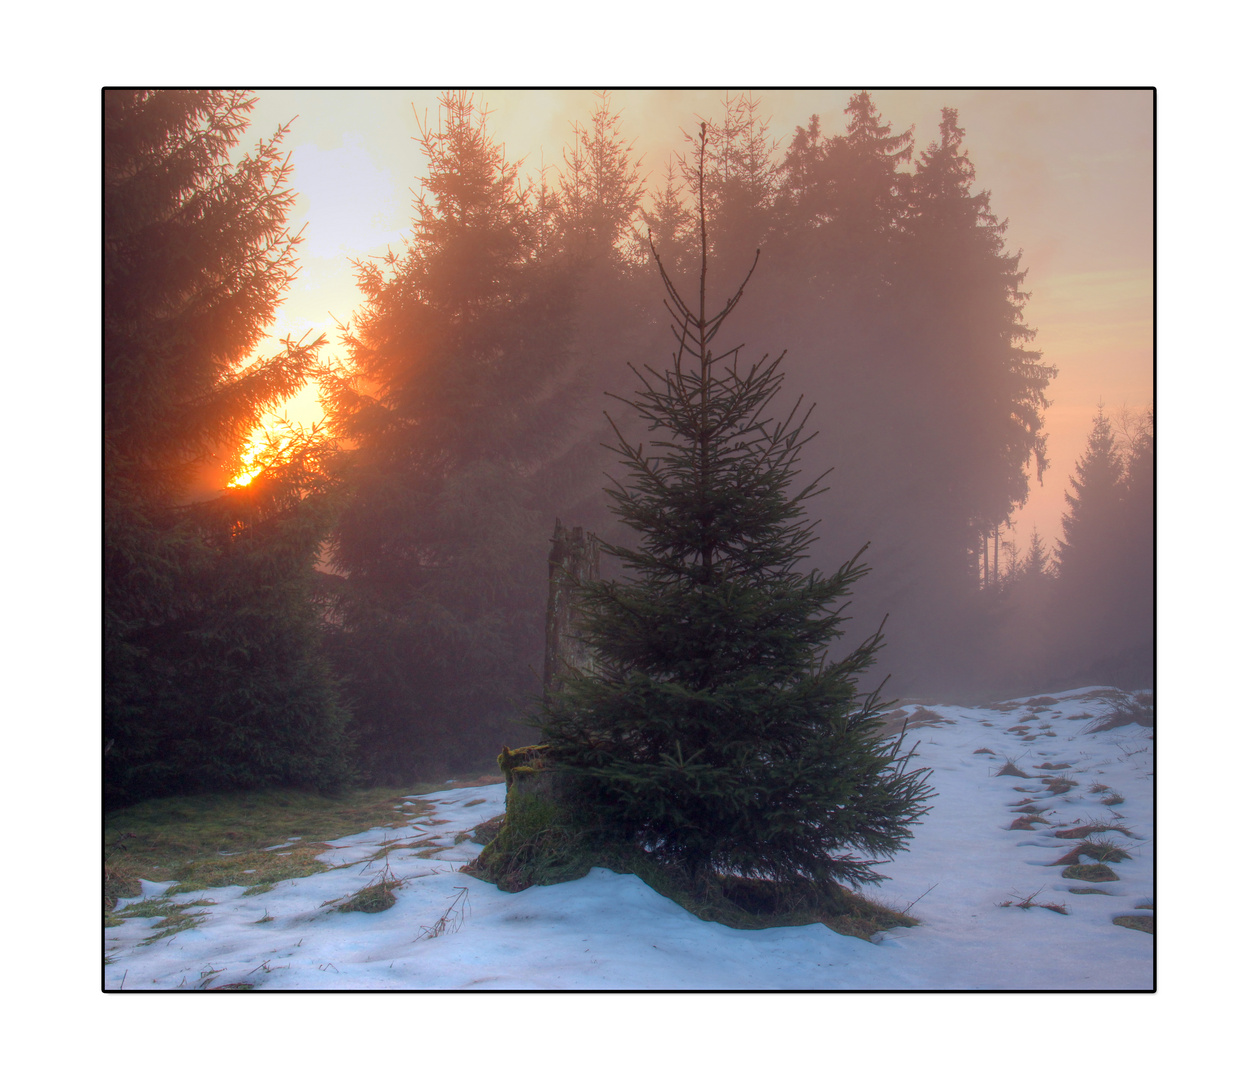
714	733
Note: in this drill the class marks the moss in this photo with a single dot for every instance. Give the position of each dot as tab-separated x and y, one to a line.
522	762
537	842
1090	872
540	841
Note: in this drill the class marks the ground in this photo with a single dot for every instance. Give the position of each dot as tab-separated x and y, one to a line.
986	873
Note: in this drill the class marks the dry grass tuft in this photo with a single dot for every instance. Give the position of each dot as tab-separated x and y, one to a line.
1010	768
1090	872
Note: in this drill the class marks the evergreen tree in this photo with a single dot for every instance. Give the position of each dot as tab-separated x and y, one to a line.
213	669
671	229
1092	513
600	188
713	733
1035	564
1105	559
741	186
455	399
967	299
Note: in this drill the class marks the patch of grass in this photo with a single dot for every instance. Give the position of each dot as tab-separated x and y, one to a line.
487	830
1100	850
984	750
374	898
119	881
1018	729
1010	768
1128	710
1042	701
1135	922
1097	788
1105	851
1114	798
206	841
1028	902
474	802
482	780
1058	785
1090	872
173	917
1085	891
1090	828
1060	765
1027	820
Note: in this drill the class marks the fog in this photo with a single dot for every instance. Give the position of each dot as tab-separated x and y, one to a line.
1071	170
480	266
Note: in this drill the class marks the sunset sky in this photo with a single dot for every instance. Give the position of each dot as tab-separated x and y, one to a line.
1071	170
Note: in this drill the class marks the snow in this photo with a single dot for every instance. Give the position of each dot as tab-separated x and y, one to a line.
964	873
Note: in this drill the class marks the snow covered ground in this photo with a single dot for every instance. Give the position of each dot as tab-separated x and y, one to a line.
965	875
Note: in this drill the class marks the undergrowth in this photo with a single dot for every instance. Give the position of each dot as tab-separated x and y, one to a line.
242	838
537	842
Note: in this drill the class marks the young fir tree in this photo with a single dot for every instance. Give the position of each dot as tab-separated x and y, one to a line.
713	732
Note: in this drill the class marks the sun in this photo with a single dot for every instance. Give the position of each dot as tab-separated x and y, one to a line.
251	459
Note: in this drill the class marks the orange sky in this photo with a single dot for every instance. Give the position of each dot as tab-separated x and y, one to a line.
1072	171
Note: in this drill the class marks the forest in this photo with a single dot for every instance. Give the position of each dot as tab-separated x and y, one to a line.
369	607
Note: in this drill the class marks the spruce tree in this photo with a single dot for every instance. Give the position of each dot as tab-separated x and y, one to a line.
714	733
455	400
214	674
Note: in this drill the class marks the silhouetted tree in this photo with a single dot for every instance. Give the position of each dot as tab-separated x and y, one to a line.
213	673
965	291
670	224
712	733
1105	558
600	189
455	398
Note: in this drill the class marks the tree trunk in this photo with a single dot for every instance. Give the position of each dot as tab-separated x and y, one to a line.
573	562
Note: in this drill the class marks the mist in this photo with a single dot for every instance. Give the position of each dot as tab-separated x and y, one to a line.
486	304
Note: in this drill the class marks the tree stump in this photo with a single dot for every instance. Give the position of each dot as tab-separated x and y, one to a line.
573	562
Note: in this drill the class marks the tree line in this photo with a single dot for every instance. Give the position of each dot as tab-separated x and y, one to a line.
371	604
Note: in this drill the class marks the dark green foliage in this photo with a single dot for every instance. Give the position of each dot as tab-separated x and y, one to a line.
213	675
1104	602
713	733
903	311
454	404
